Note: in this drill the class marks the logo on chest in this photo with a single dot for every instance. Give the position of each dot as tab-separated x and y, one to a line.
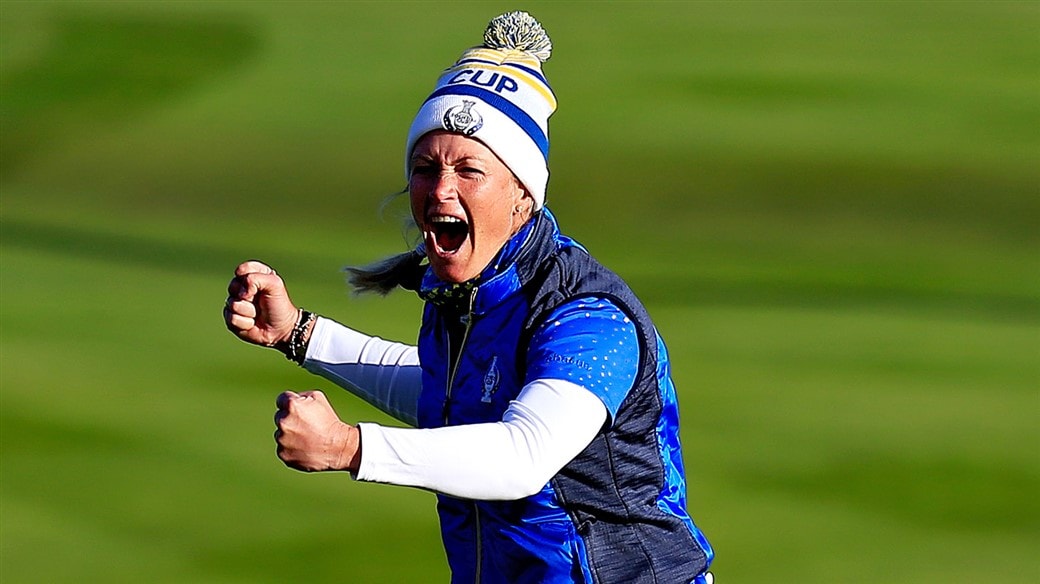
491	381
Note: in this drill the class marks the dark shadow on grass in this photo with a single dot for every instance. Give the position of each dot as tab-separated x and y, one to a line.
72	241
104	69
200	258
194	257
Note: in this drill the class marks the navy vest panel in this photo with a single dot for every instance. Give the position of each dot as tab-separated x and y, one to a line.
611	489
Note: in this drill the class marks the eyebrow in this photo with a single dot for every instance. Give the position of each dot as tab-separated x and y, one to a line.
457	161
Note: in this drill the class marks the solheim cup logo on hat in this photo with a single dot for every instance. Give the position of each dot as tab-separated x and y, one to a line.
463	119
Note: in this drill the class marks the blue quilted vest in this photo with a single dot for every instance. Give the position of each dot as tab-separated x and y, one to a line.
617	512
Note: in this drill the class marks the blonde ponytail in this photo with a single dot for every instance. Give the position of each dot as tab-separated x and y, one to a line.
382	276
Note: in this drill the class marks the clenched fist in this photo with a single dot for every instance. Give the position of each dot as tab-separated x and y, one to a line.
258	308
310	435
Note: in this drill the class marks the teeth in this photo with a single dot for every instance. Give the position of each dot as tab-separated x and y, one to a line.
445	219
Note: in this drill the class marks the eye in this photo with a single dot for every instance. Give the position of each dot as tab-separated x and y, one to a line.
471	171
424	170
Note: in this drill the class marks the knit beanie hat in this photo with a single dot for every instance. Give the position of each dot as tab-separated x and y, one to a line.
497	94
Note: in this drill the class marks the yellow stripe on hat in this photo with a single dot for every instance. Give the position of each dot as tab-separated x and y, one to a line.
524	76
504	56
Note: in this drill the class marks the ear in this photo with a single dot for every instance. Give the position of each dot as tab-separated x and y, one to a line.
523	202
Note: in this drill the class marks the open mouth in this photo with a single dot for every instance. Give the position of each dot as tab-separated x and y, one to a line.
448	232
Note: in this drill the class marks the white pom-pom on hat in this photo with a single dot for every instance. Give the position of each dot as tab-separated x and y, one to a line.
518	31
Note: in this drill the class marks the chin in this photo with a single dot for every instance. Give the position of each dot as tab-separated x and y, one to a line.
449	273
454	271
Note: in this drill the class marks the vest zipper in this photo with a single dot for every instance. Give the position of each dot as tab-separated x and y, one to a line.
466	319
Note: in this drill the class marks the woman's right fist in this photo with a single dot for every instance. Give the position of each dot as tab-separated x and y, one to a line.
258	309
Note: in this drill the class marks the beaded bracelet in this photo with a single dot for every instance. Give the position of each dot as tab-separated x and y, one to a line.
296	349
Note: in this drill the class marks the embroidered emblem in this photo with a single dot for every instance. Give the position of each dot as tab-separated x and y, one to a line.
463	119
491	379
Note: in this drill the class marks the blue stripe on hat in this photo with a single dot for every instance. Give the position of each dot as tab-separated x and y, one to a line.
534	72
519	116
474	60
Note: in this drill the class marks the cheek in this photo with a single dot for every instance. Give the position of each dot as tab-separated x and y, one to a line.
496	225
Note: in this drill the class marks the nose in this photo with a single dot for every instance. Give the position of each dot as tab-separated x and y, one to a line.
445	186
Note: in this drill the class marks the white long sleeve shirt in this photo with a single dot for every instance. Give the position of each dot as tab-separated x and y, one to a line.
550	422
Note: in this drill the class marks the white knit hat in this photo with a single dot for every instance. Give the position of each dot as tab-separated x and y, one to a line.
497	94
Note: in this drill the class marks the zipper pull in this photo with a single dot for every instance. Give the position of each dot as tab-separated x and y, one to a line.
467	318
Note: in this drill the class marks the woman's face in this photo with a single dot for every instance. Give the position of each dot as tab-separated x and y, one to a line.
465	201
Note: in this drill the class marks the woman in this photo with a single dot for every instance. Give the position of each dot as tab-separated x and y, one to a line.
544	412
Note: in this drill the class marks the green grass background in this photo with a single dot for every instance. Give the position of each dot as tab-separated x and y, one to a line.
831	210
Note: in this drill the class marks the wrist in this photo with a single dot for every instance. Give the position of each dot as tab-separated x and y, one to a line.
294	347
347	449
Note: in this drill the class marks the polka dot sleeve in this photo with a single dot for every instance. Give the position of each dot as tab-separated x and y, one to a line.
589	342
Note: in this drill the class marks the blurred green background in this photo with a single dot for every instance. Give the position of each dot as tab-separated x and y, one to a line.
831	210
